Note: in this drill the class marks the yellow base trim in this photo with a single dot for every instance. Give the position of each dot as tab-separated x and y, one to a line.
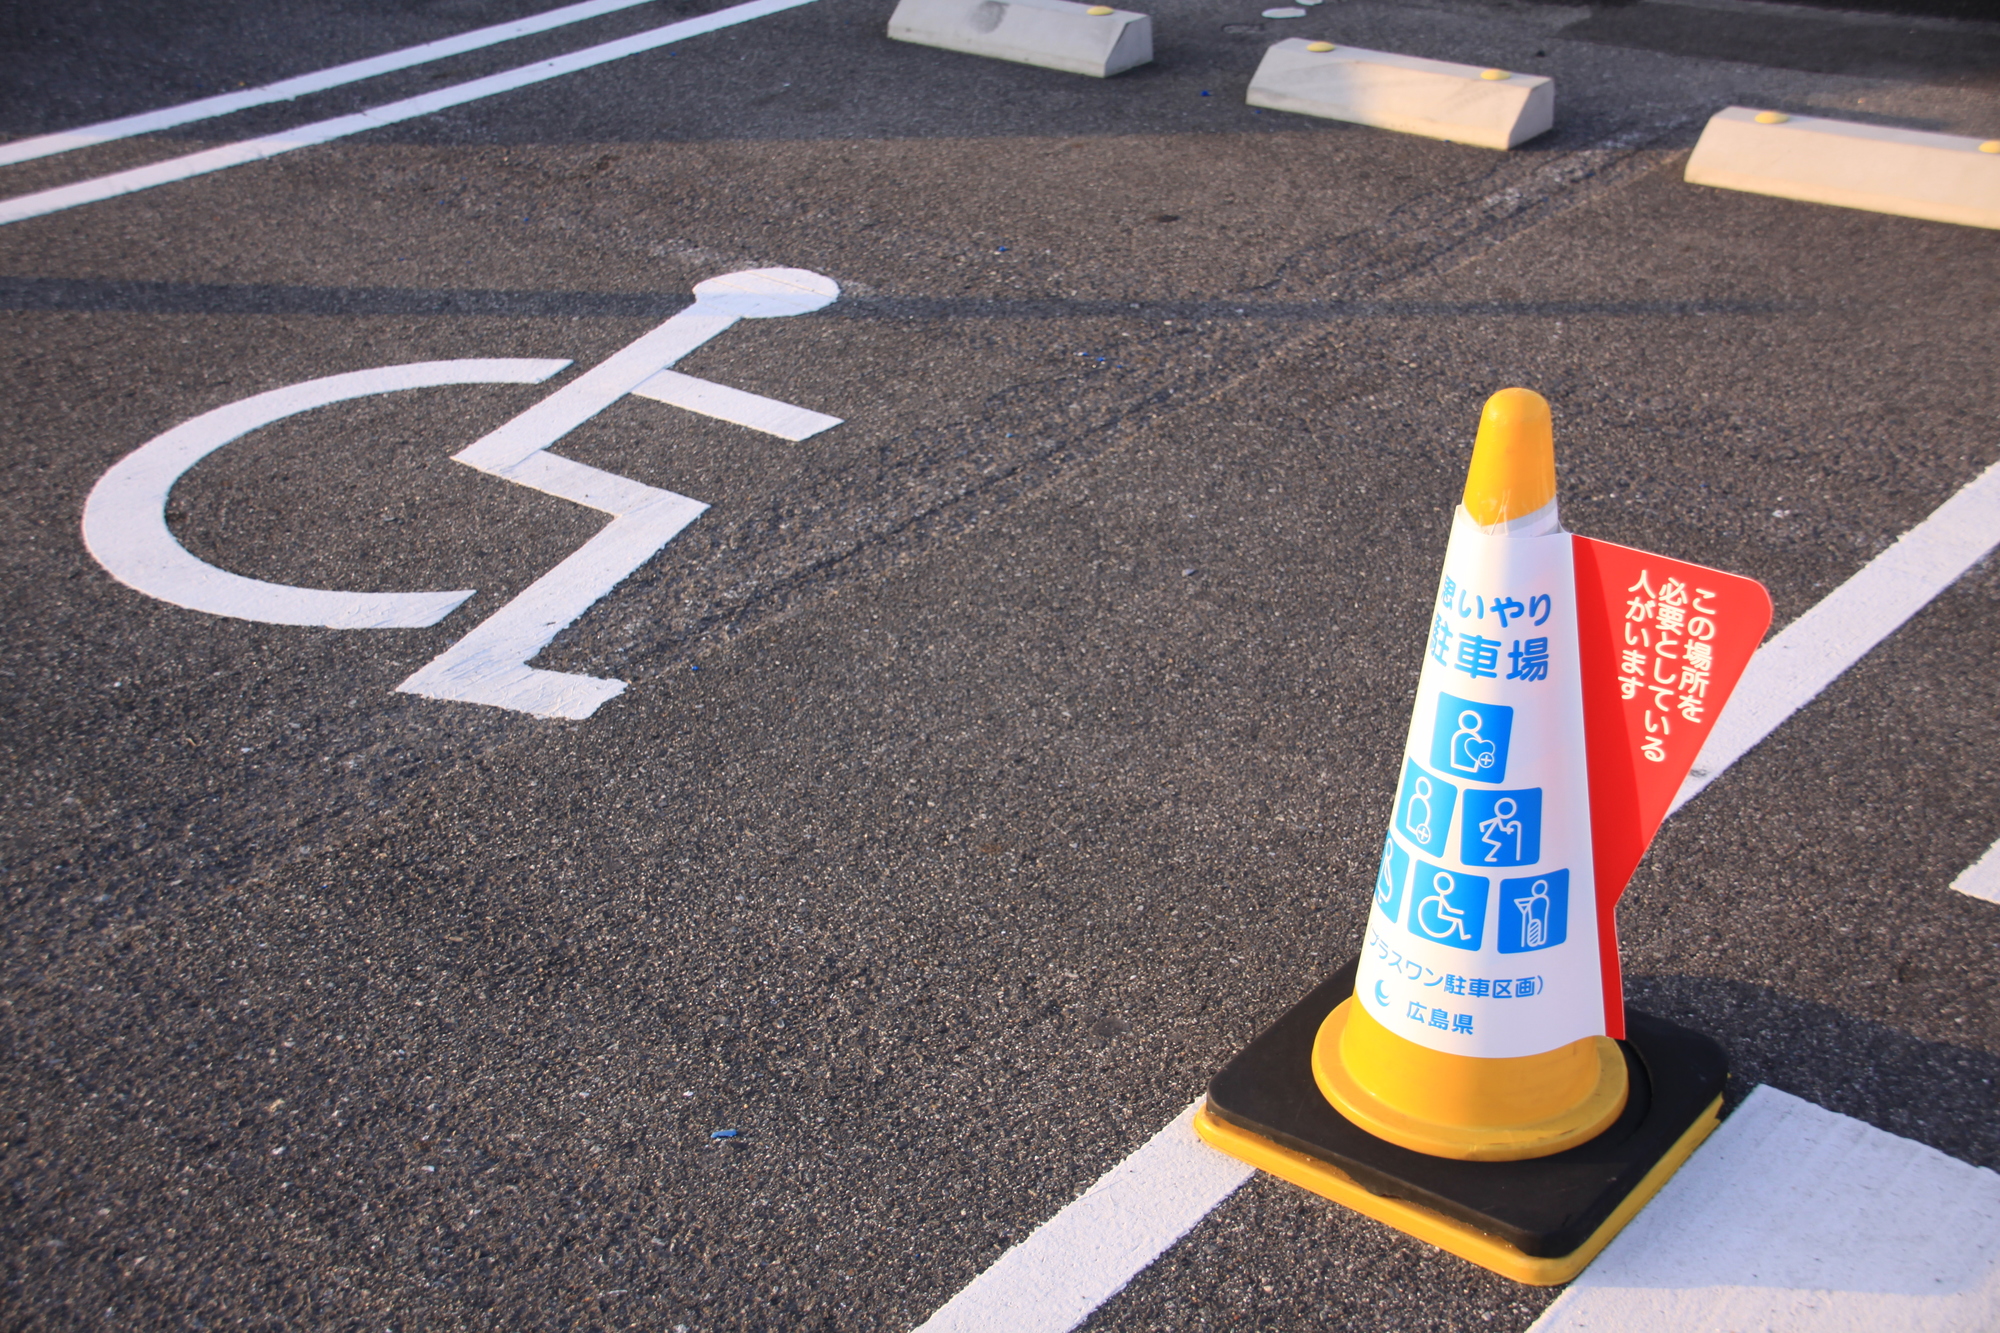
1461	1106
1449	1234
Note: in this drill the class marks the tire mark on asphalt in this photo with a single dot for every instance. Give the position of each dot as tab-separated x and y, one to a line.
936	483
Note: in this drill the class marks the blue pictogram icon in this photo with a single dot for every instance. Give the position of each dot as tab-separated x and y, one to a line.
1502	828
1391	879
1423	809
1470	740
1448	908
1534	912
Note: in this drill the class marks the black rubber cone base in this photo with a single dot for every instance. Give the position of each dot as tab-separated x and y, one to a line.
1537	1221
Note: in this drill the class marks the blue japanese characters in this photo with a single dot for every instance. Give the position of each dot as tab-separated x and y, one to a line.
1439	1018
1448	908
1469	649
1470	739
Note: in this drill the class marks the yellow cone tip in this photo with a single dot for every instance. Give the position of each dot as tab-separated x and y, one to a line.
1513	470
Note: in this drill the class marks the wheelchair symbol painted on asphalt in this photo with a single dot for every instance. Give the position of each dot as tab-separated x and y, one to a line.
125	525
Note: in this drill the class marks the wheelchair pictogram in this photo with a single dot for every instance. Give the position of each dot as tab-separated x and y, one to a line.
1448	908
125	525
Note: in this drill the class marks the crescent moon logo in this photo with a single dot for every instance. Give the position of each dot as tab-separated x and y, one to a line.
1381	996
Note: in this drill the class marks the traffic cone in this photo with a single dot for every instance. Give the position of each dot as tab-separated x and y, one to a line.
1473	1078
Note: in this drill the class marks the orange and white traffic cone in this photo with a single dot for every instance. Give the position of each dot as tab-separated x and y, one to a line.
1473	1078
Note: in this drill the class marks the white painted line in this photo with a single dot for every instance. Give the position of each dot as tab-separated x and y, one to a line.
1794	1218
569	480
593	391
410	108
783	420
84	136
1086	1253
125	520
1865	610
1811	653
771	293
1981	879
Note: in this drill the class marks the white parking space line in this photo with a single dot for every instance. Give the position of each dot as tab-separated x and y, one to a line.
1981	879
1790	671
1813	651
1794	1217
1083	1255
63	141
42	202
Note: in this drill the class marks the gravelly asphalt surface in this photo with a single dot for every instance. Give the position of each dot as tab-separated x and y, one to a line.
995	763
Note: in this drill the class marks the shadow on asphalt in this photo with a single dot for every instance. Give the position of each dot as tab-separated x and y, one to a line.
1933	1092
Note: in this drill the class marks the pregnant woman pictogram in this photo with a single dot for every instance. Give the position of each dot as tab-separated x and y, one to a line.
1417	813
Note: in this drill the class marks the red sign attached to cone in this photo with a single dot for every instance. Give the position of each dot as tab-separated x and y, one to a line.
1662	643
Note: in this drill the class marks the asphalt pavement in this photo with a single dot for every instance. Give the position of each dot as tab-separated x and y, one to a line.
994	763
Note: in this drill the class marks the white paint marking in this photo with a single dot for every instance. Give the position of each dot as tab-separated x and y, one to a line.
1794	1218
1981	879
125	521
271	145
1790	671
735	405
84	136
593	391
1086	1253
125	527
1865	610
769	293
490	665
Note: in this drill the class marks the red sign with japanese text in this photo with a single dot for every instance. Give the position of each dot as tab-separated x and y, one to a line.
1663	643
